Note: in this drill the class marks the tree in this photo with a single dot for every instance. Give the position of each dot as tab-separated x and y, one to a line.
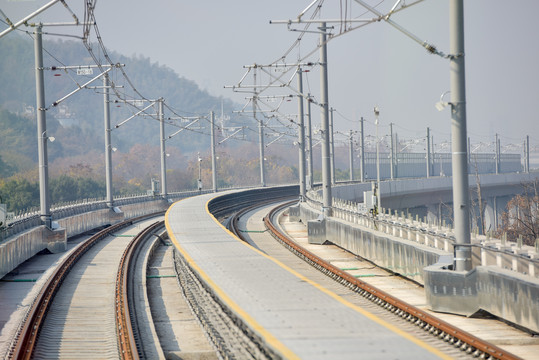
20	194
521	216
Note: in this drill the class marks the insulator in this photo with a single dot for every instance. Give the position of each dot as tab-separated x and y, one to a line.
430	48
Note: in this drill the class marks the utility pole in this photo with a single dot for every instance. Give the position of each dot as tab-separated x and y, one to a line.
351	149
469	152
428	151
497	147
461	201
392	150
326	165
213	158
378	192
108	146
44	196
396	155
163	150
310	178
362	163
260	135
332	147
527	152
301	138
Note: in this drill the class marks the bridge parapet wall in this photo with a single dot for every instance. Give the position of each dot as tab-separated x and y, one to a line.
504	281
510	296
362	236
22	246
485	251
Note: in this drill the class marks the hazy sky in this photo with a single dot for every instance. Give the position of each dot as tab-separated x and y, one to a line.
210	41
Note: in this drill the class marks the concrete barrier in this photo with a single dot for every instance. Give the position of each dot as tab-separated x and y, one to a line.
402	256
503	293
496	288
21	247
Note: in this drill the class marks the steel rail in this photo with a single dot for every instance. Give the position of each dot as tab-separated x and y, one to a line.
443	330
232	224
124	326
26	338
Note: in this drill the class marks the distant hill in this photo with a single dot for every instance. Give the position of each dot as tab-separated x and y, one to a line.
77	123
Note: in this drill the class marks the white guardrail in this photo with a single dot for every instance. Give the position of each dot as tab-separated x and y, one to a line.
510	255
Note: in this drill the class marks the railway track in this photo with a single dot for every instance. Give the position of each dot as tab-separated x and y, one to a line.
86	300
37	338
466	343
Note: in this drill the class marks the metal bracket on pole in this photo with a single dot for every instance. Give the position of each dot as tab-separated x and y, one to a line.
183	128
134	115
79	89
26	18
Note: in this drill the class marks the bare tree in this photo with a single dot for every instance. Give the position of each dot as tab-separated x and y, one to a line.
521	216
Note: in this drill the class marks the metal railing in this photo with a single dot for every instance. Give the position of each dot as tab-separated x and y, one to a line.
26	220
509	255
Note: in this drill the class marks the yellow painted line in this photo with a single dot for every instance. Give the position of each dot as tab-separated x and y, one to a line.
360	310
252	323
340	299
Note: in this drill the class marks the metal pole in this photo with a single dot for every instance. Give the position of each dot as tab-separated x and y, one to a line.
351	149
213	158
108	146
391	157
260	136
527	160
301	138
163	150
497	147
469	152
378	192
362	163
199	160
396	158
428	151
332	146
461	201
44	196
326	164
310	178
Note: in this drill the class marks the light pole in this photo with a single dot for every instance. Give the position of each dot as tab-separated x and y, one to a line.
351	149
427	150
326	165
378	196
391	157
163	153
199	172
310	178
301	138
362	147
461	200
44	196
108	146
213	158
332	146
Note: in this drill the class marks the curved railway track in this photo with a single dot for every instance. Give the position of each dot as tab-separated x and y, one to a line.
128	345
24	345
452	335
460	339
